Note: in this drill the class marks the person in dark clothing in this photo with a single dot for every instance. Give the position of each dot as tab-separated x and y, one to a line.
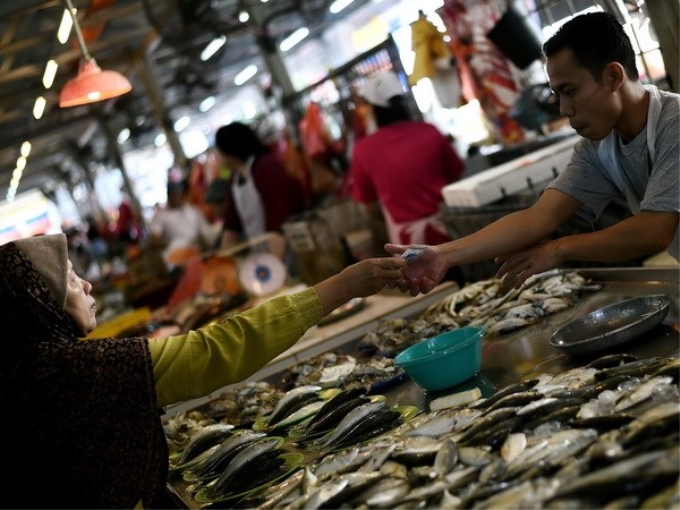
262	195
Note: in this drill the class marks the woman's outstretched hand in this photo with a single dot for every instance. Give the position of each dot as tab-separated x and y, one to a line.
423	273
361	279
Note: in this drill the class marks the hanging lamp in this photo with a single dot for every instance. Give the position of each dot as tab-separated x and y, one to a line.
91	84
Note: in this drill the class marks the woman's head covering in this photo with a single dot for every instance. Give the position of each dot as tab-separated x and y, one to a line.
79	416
49	255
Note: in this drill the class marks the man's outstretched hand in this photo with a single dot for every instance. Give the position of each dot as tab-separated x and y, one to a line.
423	272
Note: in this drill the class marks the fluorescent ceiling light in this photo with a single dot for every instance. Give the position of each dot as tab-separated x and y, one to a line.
25	149
160	139
39	107
212	47
181	123
339	5
17	174
245	75
293	39
50	73
249	110
207	103
123	135
65	26
21	163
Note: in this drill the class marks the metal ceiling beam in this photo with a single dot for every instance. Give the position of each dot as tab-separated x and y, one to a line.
73	55
147	69
99	17
8	8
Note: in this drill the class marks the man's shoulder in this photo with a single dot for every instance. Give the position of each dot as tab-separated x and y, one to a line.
670	103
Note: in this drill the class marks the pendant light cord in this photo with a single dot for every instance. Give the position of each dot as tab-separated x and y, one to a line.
79	33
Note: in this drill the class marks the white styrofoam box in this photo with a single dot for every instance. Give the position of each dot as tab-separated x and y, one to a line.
510	177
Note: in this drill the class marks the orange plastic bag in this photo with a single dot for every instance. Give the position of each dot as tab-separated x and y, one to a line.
313	135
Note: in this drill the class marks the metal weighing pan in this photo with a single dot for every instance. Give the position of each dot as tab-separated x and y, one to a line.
612	325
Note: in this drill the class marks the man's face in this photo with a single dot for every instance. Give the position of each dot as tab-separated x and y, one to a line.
591	107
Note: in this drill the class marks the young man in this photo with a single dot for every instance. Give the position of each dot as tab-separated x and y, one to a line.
630	149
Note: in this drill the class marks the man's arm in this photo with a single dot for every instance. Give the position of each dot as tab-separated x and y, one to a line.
646	233
513	232
501	238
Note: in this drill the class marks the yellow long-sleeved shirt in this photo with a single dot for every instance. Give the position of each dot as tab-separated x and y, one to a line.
197	363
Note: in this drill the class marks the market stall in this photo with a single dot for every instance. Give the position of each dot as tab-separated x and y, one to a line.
571	428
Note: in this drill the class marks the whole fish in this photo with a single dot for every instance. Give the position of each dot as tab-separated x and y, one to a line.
631	475
520	398
519	387
611	360
357	483
643	392
658	420
444	422
635	368
329	417
305	412
292	401
341	462
227	450
350	420
205	439
246	457
484	422
372	425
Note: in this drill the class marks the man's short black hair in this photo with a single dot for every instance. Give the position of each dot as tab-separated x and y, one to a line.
596	38
397	111
239	140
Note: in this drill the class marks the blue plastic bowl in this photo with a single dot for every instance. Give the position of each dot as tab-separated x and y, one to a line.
444	360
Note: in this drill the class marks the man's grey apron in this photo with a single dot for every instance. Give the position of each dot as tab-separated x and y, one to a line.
607	154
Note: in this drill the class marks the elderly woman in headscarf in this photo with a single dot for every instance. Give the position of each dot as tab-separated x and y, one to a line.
81	418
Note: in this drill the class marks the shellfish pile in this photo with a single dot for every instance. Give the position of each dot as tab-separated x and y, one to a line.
482	303
235	406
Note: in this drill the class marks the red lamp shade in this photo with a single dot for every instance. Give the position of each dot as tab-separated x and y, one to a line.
92	85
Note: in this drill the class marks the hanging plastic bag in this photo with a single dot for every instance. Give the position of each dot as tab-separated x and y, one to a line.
313	135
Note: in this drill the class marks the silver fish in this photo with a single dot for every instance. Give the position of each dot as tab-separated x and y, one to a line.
390	495
625	476
643	392
348	422
513	445
238	463
214	464
203	440
342	462
446	458
275	494
384	484
293	400
444	422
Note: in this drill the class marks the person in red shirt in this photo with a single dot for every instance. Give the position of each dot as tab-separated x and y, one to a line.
399	170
